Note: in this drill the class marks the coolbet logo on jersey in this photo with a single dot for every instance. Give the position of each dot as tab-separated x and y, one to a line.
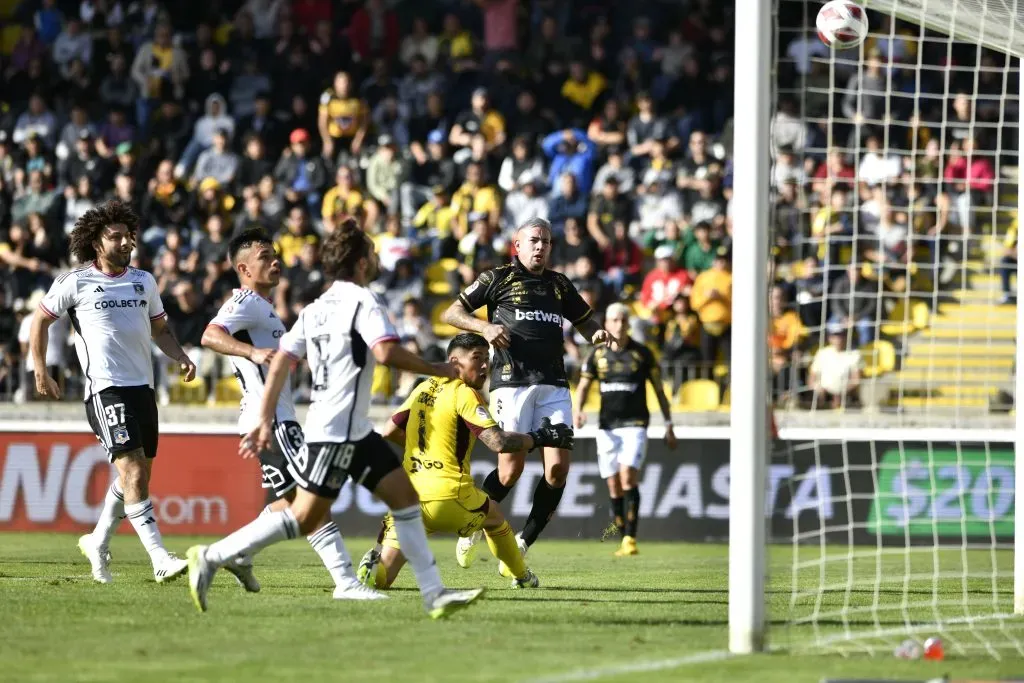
539	316
120	303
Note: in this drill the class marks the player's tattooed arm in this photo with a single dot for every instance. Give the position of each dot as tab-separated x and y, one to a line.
501	441
457	316
592	330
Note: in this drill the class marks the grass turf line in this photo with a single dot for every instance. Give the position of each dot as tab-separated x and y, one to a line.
594	616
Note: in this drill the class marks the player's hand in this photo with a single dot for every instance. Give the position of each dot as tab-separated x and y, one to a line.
446	370
579	419
670	438
553	436
255	441
604	337
262	356
47	386
498	336
188	369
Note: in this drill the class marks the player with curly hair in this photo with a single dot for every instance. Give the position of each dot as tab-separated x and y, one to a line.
116	312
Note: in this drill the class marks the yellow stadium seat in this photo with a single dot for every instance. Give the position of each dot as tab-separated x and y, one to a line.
879	357
920	315
193	392
437	276
444	330
9	38
382	382
652	399
227	390
698	396
899	322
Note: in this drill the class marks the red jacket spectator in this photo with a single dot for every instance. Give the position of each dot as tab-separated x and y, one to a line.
307	13
664	283
978	173
626	256
360	33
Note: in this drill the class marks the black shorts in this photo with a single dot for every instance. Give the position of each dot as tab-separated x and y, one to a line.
288	441
322	468
125	419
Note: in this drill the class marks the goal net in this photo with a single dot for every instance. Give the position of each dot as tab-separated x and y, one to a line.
893	327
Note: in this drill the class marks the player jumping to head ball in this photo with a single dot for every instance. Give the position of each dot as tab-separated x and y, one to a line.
117	313
621	375
526	304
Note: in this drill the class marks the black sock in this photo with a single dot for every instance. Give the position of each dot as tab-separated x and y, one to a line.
618	516
494	488
631	498
545	502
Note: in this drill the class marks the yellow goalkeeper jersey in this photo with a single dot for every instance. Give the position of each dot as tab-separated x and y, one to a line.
441	419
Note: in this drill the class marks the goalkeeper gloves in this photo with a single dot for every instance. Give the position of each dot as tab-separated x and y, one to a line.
552	436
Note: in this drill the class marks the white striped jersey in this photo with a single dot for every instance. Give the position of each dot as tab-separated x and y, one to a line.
250	318
112	316
336	333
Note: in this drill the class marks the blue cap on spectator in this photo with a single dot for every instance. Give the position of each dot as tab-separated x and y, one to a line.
435	137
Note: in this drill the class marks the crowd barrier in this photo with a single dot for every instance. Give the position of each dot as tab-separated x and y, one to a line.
875	490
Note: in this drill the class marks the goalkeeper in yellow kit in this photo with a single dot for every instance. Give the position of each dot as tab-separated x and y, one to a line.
437	427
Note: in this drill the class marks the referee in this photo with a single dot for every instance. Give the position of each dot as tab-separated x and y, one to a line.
526	305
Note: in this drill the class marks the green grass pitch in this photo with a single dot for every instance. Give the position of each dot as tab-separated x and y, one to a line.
594	614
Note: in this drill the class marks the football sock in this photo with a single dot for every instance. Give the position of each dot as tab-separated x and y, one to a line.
502	542
412	538
494	488
111	514
618	515
267	510
246	560
545	502
632	504
255	536
329	545
142	517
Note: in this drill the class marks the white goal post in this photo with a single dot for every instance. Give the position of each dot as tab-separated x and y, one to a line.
850	627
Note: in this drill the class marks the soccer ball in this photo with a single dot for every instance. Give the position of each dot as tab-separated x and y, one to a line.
842	24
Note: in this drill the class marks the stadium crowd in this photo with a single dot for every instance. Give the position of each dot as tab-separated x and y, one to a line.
441	126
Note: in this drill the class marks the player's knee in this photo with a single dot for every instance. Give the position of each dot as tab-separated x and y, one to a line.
308	519
510	470
557	473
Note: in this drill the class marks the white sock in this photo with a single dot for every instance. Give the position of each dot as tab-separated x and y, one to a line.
111	515
412	537
246	560
144	520
253	537
329	545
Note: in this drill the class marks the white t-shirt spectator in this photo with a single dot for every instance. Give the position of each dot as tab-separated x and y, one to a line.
56	346
876	168
392	249
834	368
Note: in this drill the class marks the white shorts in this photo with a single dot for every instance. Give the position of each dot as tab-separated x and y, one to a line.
520	409
620	447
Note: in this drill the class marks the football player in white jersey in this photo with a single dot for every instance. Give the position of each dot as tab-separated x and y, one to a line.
344	334
116	312
247	330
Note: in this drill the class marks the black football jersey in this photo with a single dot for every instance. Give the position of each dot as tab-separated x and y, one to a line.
622	377
532	308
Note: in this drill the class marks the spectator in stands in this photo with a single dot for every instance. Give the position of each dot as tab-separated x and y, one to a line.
567	201
37	199
854	304
212	253
216	118
411	323
402	283
301	175
615	167
301	283
784	335
30	257
680	340
525	201
663	284
608	129
217	162
384	174
1008	264
343	120
393	245
623	260
835	372
711	298
700	250
570	152
160	68
37	120
476	195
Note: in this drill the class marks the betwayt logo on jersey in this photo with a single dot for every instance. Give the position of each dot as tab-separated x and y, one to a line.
139	288
120	435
